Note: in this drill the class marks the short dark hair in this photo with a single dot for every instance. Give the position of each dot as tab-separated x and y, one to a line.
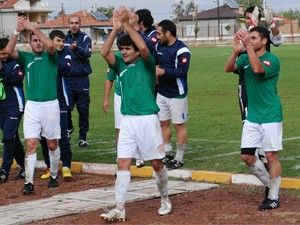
263	33
145	17
74	16
3	43
250	10
125	40
57	33
30	36
168	25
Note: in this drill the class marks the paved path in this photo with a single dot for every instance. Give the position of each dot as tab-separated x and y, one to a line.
90	200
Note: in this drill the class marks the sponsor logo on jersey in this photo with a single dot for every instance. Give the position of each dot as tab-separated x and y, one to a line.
153	39
267	63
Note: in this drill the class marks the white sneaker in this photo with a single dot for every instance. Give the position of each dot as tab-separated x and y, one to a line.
114	215
165	207
139	163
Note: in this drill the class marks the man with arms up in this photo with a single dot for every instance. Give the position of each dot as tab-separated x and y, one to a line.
140	132
263	125
173	60
11	111
41	116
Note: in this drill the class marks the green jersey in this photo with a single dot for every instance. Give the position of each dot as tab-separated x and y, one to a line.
264	104
137	82
40	75
112	76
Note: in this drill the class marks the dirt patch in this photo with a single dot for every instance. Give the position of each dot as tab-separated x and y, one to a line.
230	204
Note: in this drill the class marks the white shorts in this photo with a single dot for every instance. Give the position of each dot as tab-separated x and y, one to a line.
42	119
267	136
140	138
117	110
175	109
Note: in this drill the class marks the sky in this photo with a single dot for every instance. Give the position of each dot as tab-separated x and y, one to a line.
161	9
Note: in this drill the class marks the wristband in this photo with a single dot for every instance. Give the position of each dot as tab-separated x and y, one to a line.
16	32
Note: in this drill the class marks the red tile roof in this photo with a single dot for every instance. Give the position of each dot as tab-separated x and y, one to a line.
87	20
8	4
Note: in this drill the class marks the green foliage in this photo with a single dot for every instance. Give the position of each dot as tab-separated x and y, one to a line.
292	15
180	9
247	3
108	11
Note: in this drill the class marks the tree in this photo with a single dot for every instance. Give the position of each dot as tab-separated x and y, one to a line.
180	9
248	3
107	11
292	15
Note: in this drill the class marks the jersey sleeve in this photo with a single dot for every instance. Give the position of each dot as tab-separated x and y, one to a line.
240	63
271	66
183	58
16	75
111	74
118	62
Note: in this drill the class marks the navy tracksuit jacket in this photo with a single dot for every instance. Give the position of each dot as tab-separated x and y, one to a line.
11	111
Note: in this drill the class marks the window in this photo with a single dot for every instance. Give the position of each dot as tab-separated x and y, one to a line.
190	30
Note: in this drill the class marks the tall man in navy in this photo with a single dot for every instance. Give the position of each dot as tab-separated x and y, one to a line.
78	80
173	60
11	111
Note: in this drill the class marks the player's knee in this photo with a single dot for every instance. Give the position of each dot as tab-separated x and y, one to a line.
248	155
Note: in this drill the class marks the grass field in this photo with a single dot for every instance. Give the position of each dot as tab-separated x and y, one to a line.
214	120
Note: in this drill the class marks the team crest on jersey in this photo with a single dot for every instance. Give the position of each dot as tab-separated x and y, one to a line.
267	63
153	39
184	60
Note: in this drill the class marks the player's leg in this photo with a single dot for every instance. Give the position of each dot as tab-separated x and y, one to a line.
45	152
126	150
19	156
151	147
179	114
82	104
164	116
50	123
272	143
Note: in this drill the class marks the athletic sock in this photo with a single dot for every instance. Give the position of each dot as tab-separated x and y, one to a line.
30	161
121	188
259	170
180	151
274	186
168	148
162	182
54	157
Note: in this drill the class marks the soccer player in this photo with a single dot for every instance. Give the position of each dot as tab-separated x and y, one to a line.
78	82
263	125
140	131
41	115
173	60
11	110
64	67
252	17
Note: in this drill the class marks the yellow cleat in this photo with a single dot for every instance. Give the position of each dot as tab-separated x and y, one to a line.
66	173
46	175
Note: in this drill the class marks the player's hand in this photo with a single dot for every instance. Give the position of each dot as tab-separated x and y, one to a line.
255	17
105	106
20	24
159	71
269	16
117	23
73	45
133	21
124	14
238	45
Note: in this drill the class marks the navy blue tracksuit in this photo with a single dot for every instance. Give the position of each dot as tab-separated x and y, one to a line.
11	111
64	66
77	81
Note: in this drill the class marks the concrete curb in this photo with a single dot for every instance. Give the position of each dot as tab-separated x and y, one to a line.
204	176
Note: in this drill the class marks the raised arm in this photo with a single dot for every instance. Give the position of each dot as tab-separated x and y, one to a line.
230	65
43	38
105	51
134	35
10	48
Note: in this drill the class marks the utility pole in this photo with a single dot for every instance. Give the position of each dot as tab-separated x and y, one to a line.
218	12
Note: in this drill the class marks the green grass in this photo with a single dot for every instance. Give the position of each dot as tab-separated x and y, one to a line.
214	124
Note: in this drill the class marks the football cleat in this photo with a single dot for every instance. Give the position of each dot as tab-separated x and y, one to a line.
114	215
